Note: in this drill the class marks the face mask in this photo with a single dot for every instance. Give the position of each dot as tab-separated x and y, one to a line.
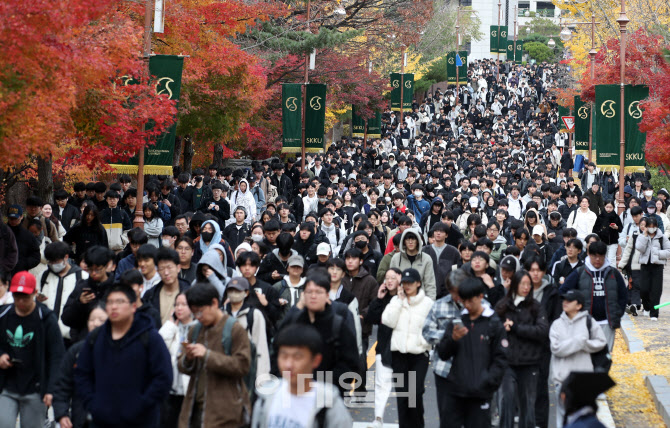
58	267
166	242
207	236
236	296
651	210
651	230
418	193
198	179
387	199
322	200
361	244
257	238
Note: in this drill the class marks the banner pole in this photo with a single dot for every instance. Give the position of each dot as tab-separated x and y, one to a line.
304	100
498	53
402	83
623	22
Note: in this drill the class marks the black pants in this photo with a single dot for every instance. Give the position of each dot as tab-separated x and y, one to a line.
170	411
410	413
363	365
651	287
466	412
634	293
542	400
441	391
519	382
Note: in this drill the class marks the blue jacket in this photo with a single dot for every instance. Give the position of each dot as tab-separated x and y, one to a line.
419	207
123	384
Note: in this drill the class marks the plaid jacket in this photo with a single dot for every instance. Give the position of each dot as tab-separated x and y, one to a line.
443	311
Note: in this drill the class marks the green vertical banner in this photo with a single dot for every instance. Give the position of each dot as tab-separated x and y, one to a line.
375	126
635	139
451	68
315	117
166	71
607	126
408	92
582	126
357	123
510	50
291	109
562	111
494	36
518	56
502	39
463	69
395	91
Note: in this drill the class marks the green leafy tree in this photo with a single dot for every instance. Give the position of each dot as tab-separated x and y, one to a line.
538	51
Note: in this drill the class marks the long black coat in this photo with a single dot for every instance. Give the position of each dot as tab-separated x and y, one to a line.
528	335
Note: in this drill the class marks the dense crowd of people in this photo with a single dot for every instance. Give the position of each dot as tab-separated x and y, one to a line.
462	240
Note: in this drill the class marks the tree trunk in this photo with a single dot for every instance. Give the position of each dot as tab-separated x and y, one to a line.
338	128
217	158
188	154
176	155
45	185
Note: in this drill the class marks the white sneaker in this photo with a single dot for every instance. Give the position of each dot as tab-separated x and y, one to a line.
377	423
645	313
654	318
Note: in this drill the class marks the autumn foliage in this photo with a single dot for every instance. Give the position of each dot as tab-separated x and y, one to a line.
645	65
61	68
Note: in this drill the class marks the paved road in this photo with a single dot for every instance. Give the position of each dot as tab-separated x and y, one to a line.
363	413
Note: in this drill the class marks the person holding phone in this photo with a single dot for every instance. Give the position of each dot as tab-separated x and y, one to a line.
406	314
608	226
31	351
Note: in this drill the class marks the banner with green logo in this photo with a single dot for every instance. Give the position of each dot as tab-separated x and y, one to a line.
166	70
502	39
462	70
510	50
518	57
562	111
357	124
635	139
606	126
315	117
582	126
375	126
494	36
291	101
407	82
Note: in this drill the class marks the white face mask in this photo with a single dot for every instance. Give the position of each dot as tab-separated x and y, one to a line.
648	193
651	230
166	242
418	193
236	296
257	238
58	267
651	210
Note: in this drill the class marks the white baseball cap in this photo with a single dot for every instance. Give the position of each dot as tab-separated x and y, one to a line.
323	249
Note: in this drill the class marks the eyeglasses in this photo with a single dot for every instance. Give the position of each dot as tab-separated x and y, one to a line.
117	302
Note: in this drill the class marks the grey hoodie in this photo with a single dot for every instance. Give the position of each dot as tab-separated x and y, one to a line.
212	259
422	263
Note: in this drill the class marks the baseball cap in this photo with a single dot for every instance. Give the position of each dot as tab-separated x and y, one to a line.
411	275
296	260
538	230
15	211
574	296
509	263
23	282
473	201
323	249
238	283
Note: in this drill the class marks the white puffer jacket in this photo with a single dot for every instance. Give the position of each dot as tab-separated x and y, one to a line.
652	250
406	318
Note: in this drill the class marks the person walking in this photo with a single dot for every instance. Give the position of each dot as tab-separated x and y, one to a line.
527	328
654	248
406	314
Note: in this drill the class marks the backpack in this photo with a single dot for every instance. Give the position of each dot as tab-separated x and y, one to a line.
227	344
602	360
272	193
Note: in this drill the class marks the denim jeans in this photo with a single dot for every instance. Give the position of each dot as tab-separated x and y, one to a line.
519	382
30	407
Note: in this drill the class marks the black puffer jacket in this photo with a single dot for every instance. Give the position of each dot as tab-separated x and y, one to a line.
603	229
528	334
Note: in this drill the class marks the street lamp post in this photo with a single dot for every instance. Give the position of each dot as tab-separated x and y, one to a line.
498	53
514	51
623	22
402	82
458	46
304	98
